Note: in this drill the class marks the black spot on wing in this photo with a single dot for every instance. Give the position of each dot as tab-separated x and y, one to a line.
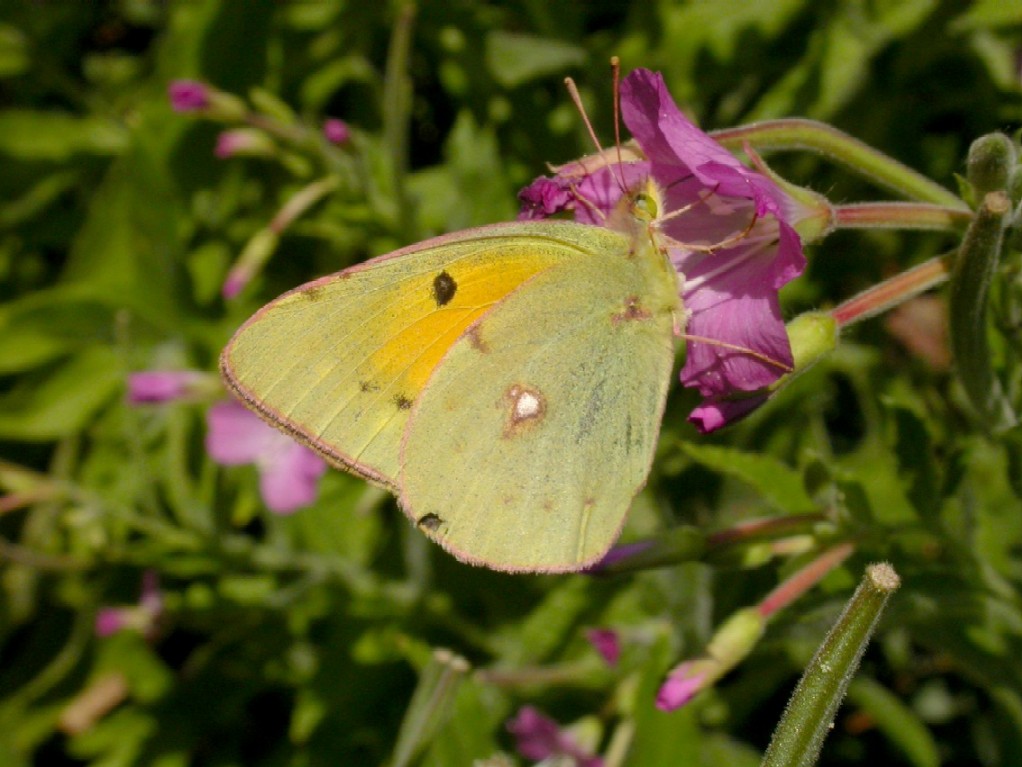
444	288
430	522
402	402
368	386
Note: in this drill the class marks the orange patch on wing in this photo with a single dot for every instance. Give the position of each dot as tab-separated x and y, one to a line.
420	333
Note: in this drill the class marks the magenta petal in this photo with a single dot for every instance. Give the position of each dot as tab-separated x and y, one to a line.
602	190
732	298
713	415
161	385
188	95
109	620
593	196
681	686
543	198
537	736
236	436
606	643
290	481
748	322
678	148
335	130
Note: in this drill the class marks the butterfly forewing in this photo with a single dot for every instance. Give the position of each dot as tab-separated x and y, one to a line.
339	362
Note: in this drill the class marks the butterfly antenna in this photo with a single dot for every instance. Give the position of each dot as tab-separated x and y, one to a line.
615	70
576	99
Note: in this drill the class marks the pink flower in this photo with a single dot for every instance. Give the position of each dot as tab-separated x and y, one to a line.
188	95
164	385
606	643
242	141
336	131
235	282
142	617
727	229
681	686
288	472
538	737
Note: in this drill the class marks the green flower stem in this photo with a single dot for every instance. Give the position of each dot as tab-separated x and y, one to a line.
896	290
901	215
397	110
263	243
802	134
974	269
687	543
431	706
763	529
562	675
295	134
810	714
798	584
301	201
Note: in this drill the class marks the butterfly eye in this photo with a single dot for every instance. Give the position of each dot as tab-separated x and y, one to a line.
644	206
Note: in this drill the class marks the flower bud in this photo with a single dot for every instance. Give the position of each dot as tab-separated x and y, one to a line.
991	159
732	642
243	141
812	336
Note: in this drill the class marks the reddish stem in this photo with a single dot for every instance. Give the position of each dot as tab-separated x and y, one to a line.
894	291
900	215
804	579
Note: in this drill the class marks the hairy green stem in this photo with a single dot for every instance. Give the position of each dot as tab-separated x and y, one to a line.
901	215
974	270
890	293
431	706
814	136
810	713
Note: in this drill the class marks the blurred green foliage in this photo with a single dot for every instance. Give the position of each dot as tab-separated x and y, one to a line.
298	640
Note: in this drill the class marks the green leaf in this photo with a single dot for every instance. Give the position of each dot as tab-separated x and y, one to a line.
65	401
39	327
896	721
54	137
14	55
780	486
514	59
129	247
916	461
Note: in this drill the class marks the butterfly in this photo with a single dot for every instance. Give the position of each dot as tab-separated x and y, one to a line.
506	382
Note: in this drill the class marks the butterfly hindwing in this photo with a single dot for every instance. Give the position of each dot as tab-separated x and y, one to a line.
538	427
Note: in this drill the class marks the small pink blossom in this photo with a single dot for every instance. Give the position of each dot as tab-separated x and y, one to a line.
110	620
152	386
336	131
188	95
538	737
288	472
142	617
732	239
681	686
606	643
235	282
241	141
